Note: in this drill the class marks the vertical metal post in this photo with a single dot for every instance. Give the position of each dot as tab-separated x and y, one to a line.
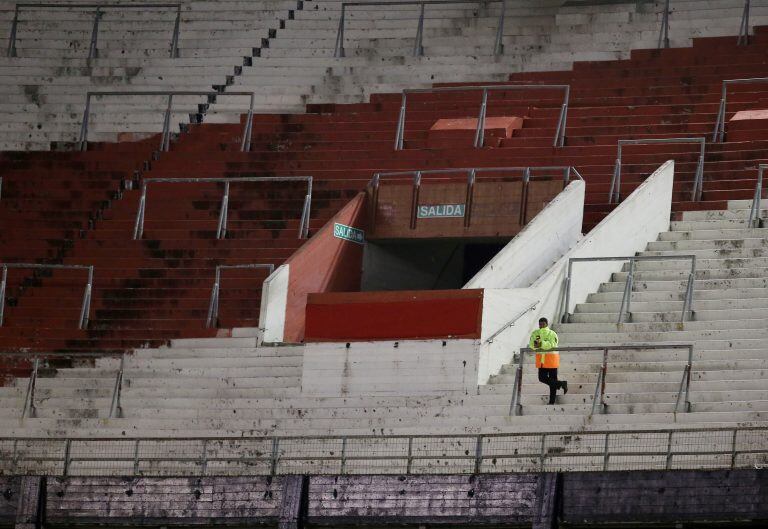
116	409
339	50
85	309
136	457
719	134
84	126
626	298
213	305
400	124
165	139
175	38
566	176
606	453
515	407
688	300
415	198
664	32
375	183
93	51
615	190
409	464
67	457
562	121
479	454
418	48
305	214
469	197
754	212
245	145
221	231
498	48
275	454
543	453
567	287
744	28
524	196
204	458
3	283
29	400
688	381
733	448
698	184
480	131
343	455
138	227
12	39
668	465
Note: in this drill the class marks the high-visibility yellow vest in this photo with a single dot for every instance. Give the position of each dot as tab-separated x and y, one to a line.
546	356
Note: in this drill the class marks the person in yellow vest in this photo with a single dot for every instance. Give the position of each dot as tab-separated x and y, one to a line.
544	342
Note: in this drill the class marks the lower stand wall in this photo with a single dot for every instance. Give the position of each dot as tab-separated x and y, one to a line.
540	501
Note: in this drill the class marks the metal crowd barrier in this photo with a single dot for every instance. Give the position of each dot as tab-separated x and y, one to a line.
418	48
614	195
627	297
743	28
165	138
559	140
526	173
719	134
598	399
213	306
221	230
754	212
86	305
93	48
563	451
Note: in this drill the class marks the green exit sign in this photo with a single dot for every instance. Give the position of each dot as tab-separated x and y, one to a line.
348	233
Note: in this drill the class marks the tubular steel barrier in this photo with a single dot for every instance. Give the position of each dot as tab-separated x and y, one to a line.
559	140
614	195
85	308
213	306
744	28
527	173
598	400
93	51
563	451
664	31
626	299
512	322
221	229
165	137
418	46
719	134
755	218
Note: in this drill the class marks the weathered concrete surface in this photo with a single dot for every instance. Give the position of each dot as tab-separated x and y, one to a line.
9	498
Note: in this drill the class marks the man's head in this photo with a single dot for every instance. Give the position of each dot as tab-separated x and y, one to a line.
543	323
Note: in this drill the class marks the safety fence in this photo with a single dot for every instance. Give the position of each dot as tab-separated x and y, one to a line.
598	399
213	305
719	134
559	140
418	45
165	137
563	451
93	51
221	229
85	307
743	38
614	194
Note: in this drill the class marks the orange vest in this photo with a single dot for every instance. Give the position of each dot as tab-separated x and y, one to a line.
548	359
547	356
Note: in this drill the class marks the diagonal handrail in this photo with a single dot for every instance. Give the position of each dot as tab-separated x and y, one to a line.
165	137
221	230
98	8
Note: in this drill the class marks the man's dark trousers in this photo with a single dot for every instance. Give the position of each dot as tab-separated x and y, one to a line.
549	377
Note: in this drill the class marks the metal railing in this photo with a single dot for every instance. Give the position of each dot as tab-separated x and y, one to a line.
165	137
221	229
559	140
526	174
418	45
664	31
512	322
587	450
598	400
755	219
614	195
213	305
93	51
626	299
743	29
85	307
719	134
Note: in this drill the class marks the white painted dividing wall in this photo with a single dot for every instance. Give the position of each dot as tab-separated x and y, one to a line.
627	230
274	298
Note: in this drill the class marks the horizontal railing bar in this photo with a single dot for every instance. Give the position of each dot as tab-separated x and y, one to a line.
415	2
101	6
636	258
619	348
234	179
476	169
39	265
662	140
84	354
168	93
485	87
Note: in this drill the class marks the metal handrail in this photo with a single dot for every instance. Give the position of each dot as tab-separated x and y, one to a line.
511	322
526	174
664	31
627	296
559	140
516	406
85	308
418	45
213	305
92	49
165	137
754	212
531	447
719	134
744	28
221	230
614	195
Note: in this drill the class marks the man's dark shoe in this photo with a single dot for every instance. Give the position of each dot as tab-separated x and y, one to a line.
565	387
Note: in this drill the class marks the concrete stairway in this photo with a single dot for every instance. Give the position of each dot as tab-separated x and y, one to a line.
228	386
729	329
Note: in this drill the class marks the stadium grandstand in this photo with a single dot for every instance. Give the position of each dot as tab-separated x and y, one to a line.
279	262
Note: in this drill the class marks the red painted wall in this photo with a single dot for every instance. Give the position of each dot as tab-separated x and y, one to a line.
324	264
408	314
